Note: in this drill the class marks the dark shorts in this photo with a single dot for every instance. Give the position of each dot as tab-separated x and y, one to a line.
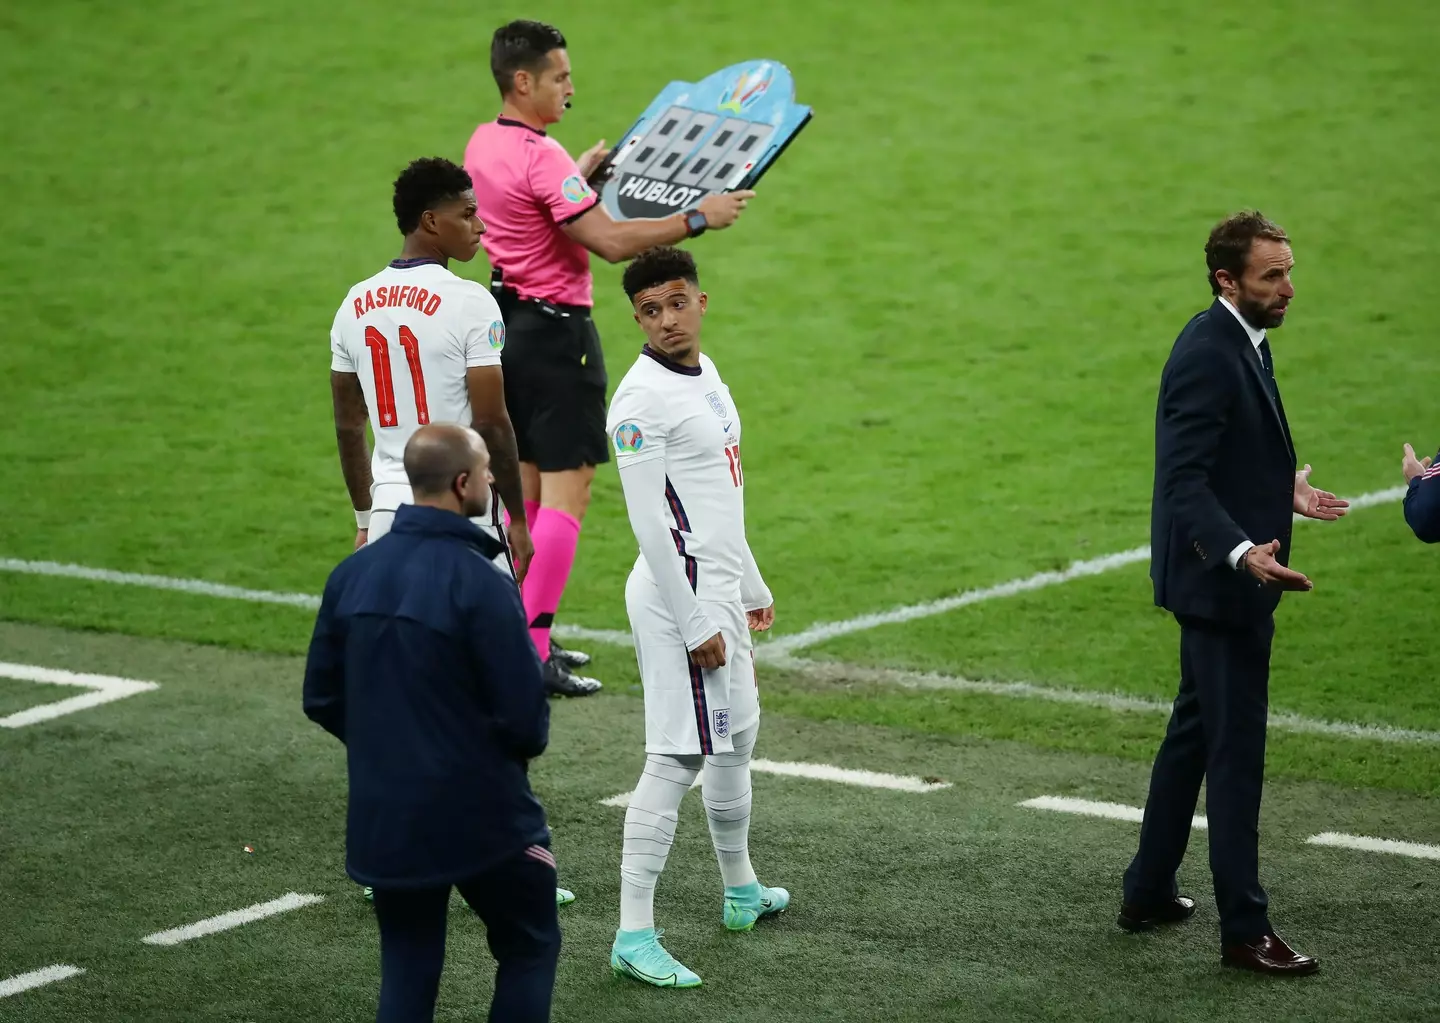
555	385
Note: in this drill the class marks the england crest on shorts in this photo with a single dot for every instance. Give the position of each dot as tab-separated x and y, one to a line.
717	404
722	723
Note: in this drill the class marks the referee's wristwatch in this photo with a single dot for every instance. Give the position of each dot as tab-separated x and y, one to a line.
695	223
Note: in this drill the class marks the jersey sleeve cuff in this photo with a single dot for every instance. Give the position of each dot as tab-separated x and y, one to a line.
576	216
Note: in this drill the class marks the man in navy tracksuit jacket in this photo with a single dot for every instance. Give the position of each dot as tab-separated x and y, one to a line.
1422	495
422	665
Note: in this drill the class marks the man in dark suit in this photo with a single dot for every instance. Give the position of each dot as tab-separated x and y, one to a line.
1422	495
422	665
1226	489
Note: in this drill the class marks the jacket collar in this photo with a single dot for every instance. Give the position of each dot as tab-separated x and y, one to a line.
1228	322
1255	336
421	520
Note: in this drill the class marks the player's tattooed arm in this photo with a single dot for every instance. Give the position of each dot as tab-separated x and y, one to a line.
348	397
491	420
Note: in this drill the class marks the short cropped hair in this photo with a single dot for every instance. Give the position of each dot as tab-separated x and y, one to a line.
659	265
1228	248
425	184
521	46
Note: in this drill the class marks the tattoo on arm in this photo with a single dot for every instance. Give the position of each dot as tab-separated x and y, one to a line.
491	420
499	435
348	398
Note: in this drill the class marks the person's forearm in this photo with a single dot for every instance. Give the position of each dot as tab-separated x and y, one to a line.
632	237
354	465
499	436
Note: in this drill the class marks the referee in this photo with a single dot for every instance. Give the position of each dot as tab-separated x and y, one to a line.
542	222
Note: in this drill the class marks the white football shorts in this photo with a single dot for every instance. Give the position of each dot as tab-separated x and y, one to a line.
690	710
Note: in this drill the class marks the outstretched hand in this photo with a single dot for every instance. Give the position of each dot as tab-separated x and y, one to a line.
1260	562
1316	504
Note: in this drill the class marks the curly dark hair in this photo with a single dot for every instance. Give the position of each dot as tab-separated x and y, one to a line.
425	184
521	46
660	265
1228	248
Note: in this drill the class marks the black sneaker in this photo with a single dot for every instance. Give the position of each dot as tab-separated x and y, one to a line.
569	658
560	681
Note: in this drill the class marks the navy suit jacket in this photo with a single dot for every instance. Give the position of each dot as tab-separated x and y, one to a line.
1422	503
1224	473
422	665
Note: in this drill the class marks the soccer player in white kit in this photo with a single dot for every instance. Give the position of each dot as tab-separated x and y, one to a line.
693	594
416	344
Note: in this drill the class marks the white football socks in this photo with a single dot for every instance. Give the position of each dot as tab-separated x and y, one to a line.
650	831
726	791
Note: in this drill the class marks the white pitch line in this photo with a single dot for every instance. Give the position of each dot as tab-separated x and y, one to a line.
774	654
1089	808
227	921
822	772
37	978
203	588
1378	845
847	776
107	689
831	630
1288	721
157	582
820	633
774	648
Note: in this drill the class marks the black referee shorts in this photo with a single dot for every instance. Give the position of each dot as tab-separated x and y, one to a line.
555	386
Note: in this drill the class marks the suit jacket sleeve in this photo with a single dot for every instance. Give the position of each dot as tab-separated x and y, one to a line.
1422	504
513	681
1195	399
324	696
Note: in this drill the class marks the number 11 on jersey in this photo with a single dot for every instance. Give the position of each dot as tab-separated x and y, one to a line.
385	384
737	472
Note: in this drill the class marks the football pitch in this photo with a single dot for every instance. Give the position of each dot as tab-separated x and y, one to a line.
943	320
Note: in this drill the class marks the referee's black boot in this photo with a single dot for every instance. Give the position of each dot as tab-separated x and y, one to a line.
561	681
569	658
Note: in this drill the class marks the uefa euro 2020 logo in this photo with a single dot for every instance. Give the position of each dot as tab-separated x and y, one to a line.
628	438
747	89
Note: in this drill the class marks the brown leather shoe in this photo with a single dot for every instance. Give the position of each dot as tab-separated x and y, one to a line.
1268	954
1144	918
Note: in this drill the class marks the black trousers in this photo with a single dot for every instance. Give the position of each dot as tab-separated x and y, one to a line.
1216	733
517	902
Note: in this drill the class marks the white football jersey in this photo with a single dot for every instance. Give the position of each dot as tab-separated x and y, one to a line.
409	333
665	411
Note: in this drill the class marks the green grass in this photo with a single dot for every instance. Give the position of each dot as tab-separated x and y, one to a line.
943	319
907	906
17	696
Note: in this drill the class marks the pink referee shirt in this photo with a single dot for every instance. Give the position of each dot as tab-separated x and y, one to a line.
526	187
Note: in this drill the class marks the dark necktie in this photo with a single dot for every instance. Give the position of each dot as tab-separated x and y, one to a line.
1269	365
